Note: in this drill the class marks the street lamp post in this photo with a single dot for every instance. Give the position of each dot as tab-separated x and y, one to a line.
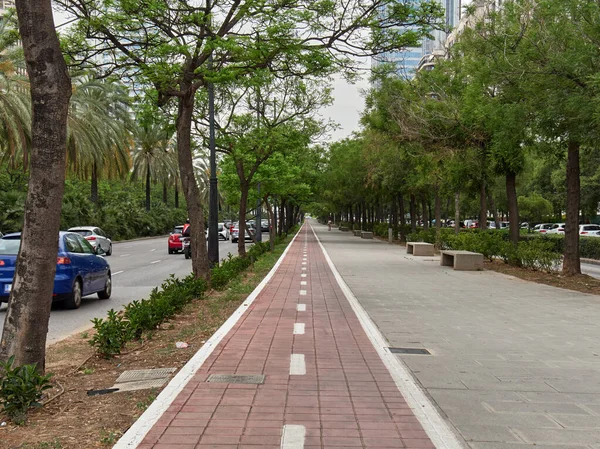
213	210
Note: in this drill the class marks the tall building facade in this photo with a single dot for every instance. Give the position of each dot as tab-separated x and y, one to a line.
409	61
405	62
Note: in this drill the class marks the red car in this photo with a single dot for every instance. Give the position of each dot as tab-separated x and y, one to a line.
175	243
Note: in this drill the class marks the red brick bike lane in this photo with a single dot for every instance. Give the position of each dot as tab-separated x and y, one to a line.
325	385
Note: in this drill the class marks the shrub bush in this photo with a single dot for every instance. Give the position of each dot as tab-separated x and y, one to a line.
140	316
21	388
111	334
589	247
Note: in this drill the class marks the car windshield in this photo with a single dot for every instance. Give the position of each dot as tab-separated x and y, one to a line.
83	232
177	229
10	247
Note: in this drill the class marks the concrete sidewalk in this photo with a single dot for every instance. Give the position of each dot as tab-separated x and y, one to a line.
326	385
513	364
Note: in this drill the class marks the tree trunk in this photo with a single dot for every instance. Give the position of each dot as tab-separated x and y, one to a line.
363	224
494	210
402	213
94	189
148	178
176	195
165	193
245	189
413	213
351	218
571	262
482	206
394	214
438	213
272	220
425	213
513	206
282	216
26	322
191	192
457	213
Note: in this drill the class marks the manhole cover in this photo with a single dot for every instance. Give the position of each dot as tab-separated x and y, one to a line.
145	374
237	378
414	351
143	379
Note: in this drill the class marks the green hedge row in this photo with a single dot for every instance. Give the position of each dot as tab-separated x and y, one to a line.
145	315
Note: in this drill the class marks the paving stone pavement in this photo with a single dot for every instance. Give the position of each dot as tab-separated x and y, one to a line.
513	364
325	386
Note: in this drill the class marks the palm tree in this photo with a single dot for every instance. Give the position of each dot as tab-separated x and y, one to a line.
99	139
153	157
15	102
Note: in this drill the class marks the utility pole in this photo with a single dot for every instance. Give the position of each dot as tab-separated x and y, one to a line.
213	211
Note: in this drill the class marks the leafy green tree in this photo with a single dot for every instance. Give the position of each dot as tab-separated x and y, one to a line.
179	50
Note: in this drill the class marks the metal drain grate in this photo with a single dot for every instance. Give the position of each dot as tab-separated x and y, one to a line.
410	351
145	374
258	379
143	379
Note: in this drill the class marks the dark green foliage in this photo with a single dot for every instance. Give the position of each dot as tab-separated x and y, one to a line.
589	247
536	252
120	211
21	388
111	334
145	315
229	269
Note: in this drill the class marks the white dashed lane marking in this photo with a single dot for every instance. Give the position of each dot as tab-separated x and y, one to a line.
293	436
297	365
298	328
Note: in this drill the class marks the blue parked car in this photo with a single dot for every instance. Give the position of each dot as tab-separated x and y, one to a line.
80	270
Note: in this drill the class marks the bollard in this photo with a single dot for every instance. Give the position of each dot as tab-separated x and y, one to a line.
390	235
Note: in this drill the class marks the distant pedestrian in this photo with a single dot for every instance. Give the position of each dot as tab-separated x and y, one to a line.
329	225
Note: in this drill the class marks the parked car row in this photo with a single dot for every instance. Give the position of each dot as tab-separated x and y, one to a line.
588	230
227	231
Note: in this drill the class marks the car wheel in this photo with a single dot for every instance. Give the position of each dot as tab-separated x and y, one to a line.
188	254
105	294
109	252
74	299
170	251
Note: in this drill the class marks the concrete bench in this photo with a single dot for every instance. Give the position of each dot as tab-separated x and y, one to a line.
366	235
462	260
357	232
419	248
344	229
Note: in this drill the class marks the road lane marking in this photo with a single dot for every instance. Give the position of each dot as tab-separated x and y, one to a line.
117	272
298	328
153	250
303	275
303	268
302	282
156	261
301	307
293	436
302	292
124	255
297	365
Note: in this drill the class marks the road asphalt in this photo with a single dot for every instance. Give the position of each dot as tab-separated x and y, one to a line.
137	267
